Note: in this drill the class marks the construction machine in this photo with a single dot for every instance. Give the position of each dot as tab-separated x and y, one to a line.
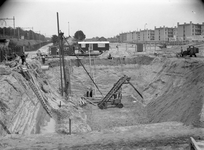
114	96
191	51
162	46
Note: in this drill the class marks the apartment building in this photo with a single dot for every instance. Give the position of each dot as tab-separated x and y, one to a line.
123	37
138	36
142	35
188	30
202	28
134	36
151	35
146	35
165	33
129	37
183	32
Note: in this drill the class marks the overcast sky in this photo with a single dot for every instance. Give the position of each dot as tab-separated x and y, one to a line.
100	17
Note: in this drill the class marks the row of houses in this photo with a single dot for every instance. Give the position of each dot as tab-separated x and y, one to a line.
181	32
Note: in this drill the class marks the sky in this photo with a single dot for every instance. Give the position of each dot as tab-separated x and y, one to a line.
106	18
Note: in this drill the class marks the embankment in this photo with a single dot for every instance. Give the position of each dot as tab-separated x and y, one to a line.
27	101
143	60
180	93
172	88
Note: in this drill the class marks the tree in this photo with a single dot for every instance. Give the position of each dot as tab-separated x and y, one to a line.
102	39
55	39
79	35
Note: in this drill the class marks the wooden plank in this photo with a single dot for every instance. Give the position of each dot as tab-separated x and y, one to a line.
194	144
86	99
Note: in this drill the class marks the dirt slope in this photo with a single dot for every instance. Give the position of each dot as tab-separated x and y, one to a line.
181	96
22	111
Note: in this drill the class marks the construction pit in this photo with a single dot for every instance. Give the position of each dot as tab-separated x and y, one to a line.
170	112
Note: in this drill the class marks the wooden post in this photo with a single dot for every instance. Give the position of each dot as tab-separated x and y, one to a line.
63	62
70	128
68	85
60	57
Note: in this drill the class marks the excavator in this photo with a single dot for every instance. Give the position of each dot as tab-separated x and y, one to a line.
114	96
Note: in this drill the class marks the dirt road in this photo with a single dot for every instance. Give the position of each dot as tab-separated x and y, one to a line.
169	135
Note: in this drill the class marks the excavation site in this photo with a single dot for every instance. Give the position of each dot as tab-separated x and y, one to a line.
151	100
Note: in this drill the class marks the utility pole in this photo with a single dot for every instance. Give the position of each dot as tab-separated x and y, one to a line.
68	30
60	52
18	33
63	62
3	28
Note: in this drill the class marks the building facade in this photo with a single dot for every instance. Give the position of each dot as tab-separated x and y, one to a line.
129	37
164	34
202	28
188	30
183	32
123	37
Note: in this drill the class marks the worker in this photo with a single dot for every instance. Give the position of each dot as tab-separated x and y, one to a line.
109	56
89	93
43	59
57	51
181	50
23	58
117	47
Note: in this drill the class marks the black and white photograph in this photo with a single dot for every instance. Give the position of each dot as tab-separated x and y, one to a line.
102	75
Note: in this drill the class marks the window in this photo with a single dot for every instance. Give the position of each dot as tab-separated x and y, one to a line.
101	44
83	45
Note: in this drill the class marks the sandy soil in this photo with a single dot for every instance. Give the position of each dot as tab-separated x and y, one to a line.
133	113
161	136
172	89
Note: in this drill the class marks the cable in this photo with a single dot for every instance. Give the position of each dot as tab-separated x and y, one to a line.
86	70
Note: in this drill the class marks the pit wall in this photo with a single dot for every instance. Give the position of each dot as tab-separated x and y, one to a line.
140	69
143	60
172	88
